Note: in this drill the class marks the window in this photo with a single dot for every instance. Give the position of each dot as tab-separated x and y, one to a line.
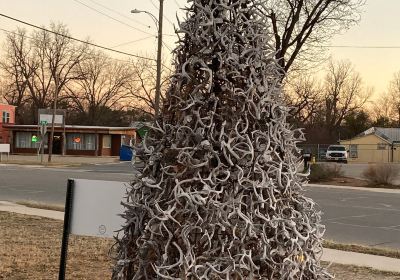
27	140
381	146
353	149
81	141
107	141
6	117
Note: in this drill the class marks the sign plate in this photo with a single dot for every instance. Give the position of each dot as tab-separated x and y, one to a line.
96	206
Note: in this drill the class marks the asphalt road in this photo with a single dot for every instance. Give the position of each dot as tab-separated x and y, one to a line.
350	216
361	217
48	185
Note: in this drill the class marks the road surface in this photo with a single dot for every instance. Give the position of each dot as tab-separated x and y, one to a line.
48	185
350	216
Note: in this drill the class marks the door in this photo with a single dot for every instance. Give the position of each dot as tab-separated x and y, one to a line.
57	144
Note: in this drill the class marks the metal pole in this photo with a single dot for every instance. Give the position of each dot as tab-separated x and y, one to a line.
65	237
53	117
158	82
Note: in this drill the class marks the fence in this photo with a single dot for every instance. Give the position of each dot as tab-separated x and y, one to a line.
358	153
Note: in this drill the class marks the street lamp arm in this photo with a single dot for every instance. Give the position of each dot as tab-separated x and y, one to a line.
153	17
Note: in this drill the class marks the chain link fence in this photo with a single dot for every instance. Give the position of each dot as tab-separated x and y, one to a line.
357	153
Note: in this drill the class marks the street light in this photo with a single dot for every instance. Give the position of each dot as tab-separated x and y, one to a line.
159	23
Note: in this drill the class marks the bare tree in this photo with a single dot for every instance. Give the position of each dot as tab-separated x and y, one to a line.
382	108
142	87
303	93
300	26
58	56
104	84
394	97
343	93
18	67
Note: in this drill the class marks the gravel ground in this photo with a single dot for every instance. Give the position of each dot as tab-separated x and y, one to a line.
30	249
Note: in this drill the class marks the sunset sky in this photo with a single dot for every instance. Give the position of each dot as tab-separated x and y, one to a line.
379	27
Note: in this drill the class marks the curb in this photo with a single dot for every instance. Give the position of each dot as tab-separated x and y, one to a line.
378	190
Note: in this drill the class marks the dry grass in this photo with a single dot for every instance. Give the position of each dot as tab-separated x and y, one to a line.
324	172
30	249
381	174
350	272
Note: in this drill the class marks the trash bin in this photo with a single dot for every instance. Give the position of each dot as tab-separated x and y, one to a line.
125	153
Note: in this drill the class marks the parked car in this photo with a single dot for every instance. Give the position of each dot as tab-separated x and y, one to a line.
336	153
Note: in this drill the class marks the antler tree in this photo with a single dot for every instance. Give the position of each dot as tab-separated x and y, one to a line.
219	197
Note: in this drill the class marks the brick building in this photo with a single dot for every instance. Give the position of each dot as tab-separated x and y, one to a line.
7	117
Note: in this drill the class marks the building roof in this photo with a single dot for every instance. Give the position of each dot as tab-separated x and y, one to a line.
73	128
391	134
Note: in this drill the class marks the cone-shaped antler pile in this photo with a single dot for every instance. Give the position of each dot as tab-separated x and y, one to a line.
220	197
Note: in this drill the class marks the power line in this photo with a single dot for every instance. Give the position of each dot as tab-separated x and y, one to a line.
134	41
75	39
110	17
165	45
361	47
177	4
119	13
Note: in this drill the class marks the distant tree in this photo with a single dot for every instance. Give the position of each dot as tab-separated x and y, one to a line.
142	87
301	26
303	93
17	68
103	86
394	97
58	57
383	122
343	94
384	109
355	123
38	66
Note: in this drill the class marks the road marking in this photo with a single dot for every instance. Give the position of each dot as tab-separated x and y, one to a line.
352	198
347	217
361	207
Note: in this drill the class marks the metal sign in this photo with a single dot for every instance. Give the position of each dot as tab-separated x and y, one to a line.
92	208
43	122
46	116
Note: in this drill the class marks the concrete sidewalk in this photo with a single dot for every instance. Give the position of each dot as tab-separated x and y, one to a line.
330	255
57	160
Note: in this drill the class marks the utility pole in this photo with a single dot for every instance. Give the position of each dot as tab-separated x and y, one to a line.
53	118
158	82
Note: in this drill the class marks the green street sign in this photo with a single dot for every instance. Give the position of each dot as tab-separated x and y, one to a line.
43	122
34	139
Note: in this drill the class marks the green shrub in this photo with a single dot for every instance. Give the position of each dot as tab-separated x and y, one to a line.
324	172
381	174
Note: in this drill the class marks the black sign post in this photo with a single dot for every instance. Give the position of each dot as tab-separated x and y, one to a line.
65	237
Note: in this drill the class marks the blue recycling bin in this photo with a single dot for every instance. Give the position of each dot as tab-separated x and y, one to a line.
125	153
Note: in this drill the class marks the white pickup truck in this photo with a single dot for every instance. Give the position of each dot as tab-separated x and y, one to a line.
336	153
